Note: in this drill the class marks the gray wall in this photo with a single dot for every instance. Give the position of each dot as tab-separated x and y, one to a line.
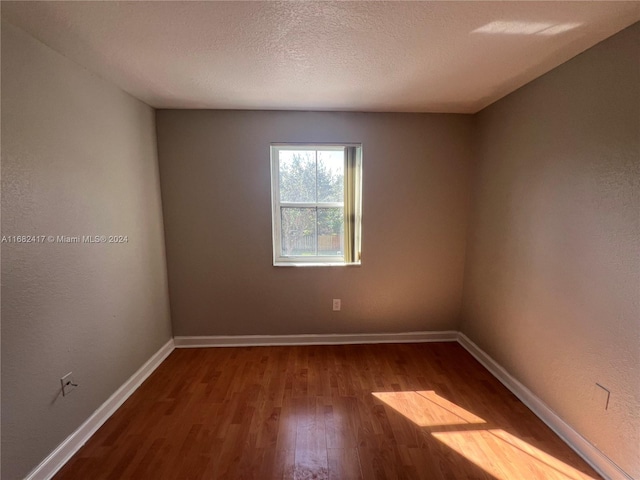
214	169
78	158
552	284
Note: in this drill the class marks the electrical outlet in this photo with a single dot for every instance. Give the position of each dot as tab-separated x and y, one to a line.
67	384
336	305
603	395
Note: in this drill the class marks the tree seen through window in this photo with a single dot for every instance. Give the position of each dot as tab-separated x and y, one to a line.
312	197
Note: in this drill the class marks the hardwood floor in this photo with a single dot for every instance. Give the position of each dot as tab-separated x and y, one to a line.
406	411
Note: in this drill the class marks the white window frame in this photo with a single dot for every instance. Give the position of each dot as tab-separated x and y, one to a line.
276	219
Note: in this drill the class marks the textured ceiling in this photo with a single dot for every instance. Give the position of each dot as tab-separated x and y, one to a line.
363	56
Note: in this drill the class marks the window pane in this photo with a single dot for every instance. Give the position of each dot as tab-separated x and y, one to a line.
330	231
330	175
298	231
297	175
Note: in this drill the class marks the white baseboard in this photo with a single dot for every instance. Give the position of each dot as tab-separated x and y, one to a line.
56	459
328	339
592	455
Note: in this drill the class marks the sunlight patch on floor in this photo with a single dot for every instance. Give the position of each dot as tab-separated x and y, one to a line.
427	408
499	453
509	457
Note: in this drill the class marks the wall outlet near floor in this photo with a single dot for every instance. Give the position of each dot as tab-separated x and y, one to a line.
337	304
68	383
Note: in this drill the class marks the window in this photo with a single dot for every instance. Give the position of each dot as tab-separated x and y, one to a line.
316	199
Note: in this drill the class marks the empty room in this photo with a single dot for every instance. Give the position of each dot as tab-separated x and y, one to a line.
320	240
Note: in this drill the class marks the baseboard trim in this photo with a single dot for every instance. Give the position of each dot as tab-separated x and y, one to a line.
589	453
328	339
56	459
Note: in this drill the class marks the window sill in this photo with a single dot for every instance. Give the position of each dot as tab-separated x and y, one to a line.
315	264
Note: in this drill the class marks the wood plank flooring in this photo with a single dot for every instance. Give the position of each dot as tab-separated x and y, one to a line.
406	411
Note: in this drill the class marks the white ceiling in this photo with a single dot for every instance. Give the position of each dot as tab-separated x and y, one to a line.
362	56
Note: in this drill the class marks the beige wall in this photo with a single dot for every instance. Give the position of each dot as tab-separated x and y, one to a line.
552	284
78	158
214	169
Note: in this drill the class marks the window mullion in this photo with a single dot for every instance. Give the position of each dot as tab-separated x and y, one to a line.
330	205
298	204
312	205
